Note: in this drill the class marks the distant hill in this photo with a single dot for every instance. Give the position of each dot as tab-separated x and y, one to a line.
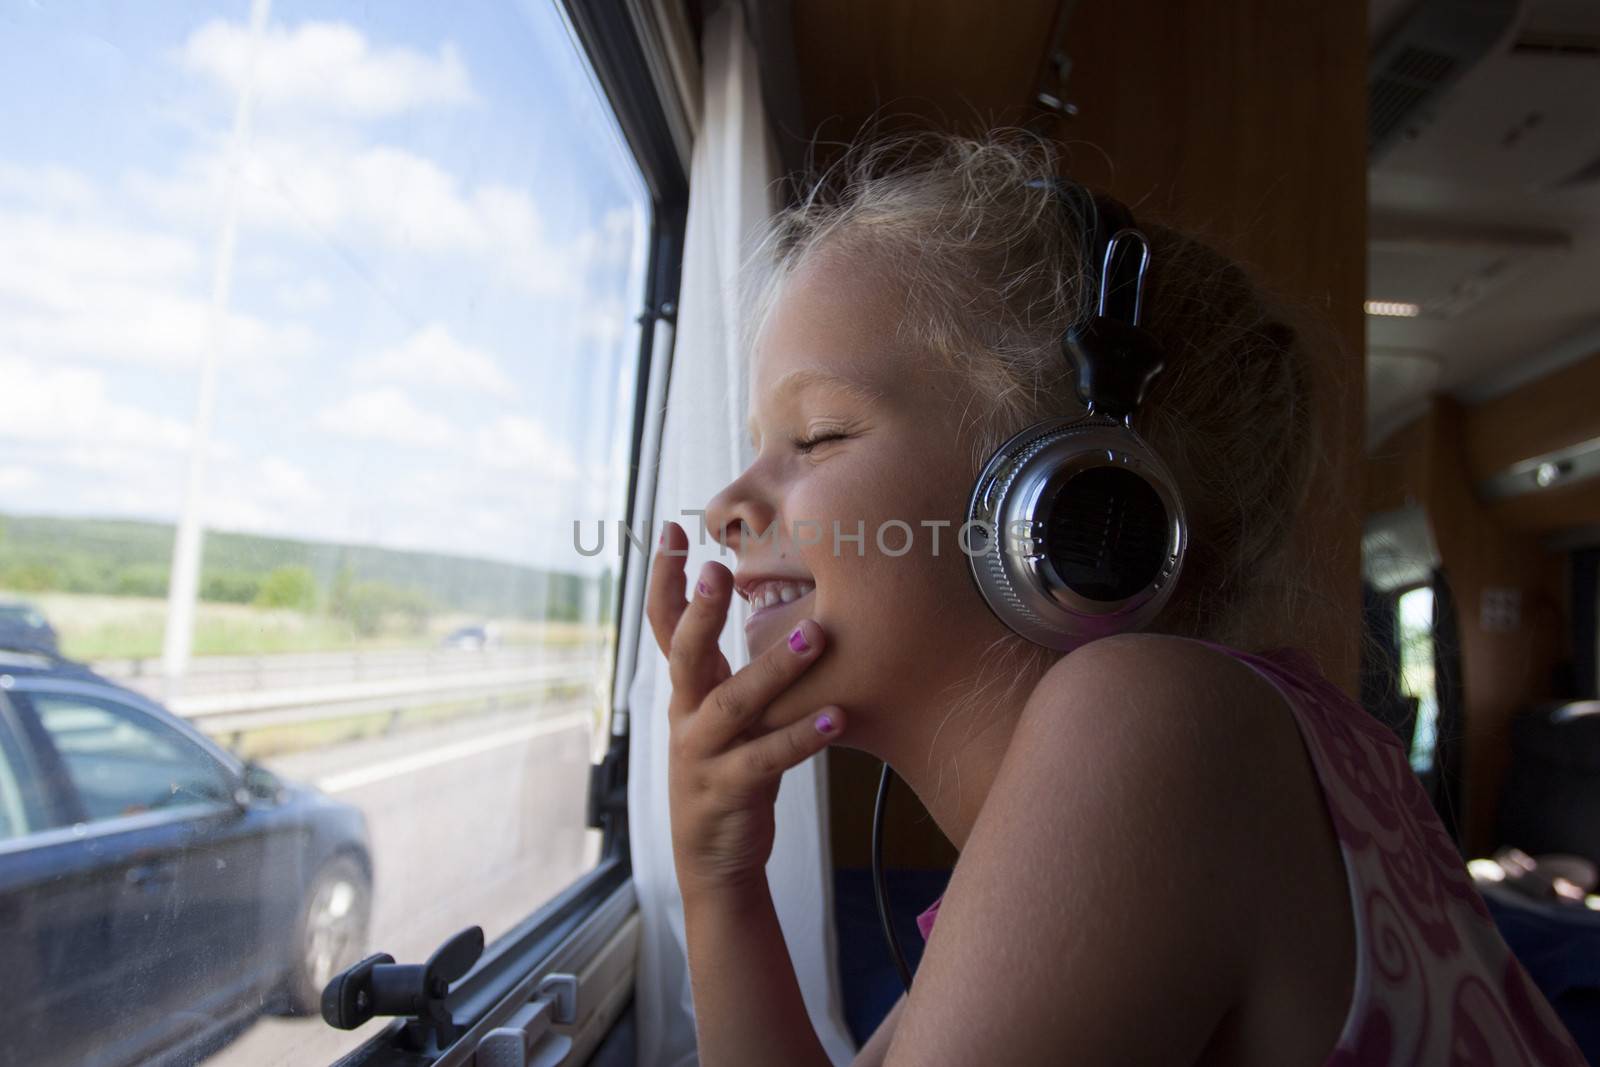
127	557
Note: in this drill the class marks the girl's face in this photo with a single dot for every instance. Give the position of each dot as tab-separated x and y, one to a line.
855	433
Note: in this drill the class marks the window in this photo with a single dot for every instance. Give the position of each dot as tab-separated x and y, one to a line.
120	763
320	325
1416	674
14	821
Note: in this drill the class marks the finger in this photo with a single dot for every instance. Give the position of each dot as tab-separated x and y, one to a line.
762	761
693	656
665	601
734	706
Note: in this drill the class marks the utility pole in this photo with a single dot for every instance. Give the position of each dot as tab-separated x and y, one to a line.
184	585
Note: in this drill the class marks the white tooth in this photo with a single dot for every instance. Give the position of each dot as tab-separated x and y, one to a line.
788	593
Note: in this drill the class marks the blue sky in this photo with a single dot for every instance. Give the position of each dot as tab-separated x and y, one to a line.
440	255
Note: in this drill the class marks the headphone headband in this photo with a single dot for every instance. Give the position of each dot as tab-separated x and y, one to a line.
1114	357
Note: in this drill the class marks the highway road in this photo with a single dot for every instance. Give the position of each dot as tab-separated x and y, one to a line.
478	822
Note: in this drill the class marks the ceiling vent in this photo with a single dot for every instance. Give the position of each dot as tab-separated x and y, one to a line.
1427	52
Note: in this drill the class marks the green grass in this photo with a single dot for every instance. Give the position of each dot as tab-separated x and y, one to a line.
96	627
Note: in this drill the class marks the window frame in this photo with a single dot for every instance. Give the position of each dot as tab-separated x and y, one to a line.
599	902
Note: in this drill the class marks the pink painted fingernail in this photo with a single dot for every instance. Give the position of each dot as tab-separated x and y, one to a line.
825	724
797	640
703	586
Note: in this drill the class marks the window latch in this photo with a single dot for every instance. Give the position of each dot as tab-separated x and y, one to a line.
525	1039
379	986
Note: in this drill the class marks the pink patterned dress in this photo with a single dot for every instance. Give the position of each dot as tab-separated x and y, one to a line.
1435	982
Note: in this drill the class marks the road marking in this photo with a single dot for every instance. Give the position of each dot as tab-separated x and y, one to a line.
343	783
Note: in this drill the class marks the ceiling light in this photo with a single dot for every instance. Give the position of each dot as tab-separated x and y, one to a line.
1393	309
1548	473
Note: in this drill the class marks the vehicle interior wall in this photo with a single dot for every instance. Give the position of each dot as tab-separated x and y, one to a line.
1243	120
1437	461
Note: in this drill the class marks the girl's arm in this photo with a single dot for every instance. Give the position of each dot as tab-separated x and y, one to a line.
731	739
877	1046
745	993
747	1003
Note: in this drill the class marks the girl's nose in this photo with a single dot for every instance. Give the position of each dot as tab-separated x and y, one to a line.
736	510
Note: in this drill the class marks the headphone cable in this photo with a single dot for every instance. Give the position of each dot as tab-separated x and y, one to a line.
878	891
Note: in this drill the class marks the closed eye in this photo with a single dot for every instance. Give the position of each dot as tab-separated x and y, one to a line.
806	444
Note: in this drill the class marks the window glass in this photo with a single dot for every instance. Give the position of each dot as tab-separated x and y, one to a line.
1416	673
120	763
317	334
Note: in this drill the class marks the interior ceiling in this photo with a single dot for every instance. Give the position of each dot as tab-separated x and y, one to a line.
1489	217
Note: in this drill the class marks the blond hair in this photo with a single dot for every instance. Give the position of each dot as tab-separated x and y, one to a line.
994	272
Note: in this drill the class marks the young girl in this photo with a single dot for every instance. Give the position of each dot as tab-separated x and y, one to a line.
1172	851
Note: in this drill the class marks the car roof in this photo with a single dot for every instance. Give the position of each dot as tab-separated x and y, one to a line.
41	667
33	661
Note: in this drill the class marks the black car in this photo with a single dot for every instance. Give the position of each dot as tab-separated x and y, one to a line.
23	626
155	892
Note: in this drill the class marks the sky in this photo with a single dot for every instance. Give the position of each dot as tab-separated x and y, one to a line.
430	338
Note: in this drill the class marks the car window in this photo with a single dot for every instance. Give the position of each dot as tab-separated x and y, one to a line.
121	762
14	821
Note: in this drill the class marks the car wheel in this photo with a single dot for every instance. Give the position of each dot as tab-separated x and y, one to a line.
331	933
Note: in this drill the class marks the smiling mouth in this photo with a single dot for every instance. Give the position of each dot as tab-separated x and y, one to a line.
771	607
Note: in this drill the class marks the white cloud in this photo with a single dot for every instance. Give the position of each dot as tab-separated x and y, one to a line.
72	404
385	414
327	67
50	185
304	294
270	496
282	481
515	442
104	291
14	478
432	357
378	195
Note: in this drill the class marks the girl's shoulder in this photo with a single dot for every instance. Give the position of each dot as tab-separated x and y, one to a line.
1116	860
1207	740
1158	687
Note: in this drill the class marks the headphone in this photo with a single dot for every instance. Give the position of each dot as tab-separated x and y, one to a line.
1075	527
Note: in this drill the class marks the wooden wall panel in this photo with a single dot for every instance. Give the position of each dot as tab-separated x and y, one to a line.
1245	121
1397	469
957	64
1551	510
1556	411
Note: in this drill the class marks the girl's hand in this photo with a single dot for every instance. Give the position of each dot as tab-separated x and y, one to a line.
724	763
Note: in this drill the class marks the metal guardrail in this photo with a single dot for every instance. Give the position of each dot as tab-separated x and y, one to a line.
229	696
219	674
232	715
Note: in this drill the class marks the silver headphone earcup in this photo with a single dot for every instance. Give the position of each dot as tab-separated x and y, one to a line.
1075	530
